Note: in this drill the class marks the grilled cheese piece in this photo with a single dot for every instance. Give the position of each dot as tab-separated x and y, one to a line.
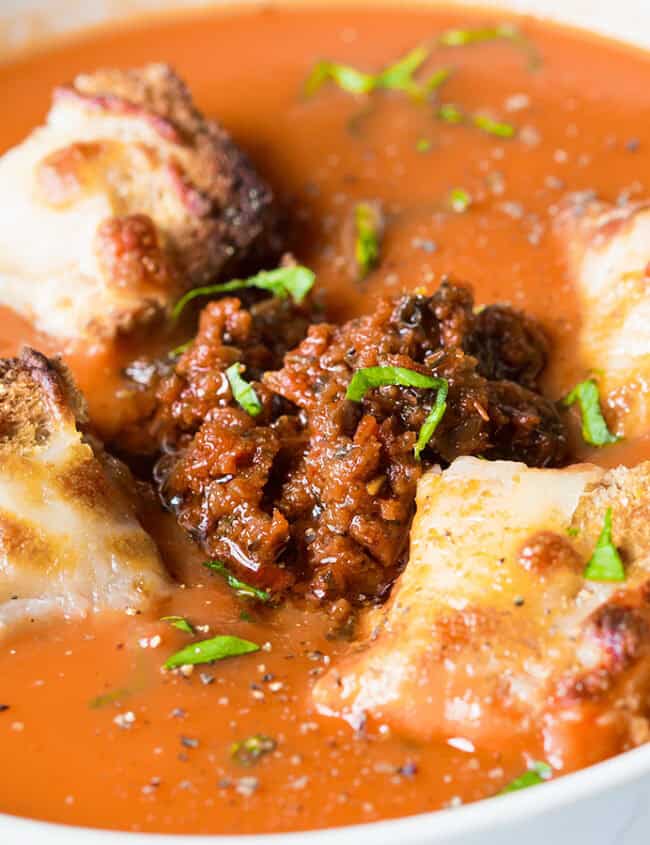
608	251
123	200
493	630
70	540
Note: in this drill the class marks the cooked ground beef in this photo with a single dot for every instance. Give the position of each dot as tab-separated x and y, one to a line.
318	491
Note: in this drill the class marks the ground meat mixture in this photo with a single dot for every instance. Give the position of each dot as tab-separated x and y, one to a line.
317	492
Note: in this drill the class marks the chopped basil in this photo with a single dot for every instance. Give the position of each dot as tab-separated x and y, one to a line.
179	622
494	127
423	145
399	76
459	200
240	587
538	773
295	281
206	651
368	225
481	35
450	113
248	751
370	377
605	563
465	37
437	78
242	392
348	78
594	427
435	415
396	77
181	349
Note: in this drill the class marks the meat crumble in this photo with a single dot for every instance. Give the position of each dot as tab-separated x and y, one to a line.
316	493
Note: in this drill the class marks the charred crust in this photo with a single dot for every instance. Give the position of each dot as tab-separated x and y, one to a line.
233	209
35	393
130	253
619	633
546	551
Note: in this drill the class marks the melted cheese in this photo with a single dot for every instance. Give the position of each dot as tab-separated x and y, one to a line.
70	541
492	622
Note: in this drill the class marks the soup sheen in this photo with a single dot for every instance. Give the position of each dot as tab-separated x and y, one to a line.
63	755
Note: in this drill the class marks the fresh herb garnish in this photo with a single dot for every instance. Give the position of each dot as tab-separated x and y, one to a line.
459	200
181	349
248	751
538	773
368	225
242	392
433	418
240	587
449	113
295	281
423	145
494	127
481	35
369	378
478	35
594	427
178	622
346	77
605	564
207	651
396	77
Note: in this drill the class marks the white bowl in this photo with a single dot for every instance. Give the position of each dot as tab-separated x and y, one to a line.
607	804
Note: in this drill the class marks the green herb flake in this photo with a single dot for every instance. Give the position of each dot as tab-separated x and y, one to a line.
459	200
179	622
605	563
433	418
368	226
248	751
346	77
572	531
396	77
369	378
493	127
449	113
538	773
207	651
399	76
243	393
177	351
423	145
240	587
478	35
483	35
295	281
594	427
